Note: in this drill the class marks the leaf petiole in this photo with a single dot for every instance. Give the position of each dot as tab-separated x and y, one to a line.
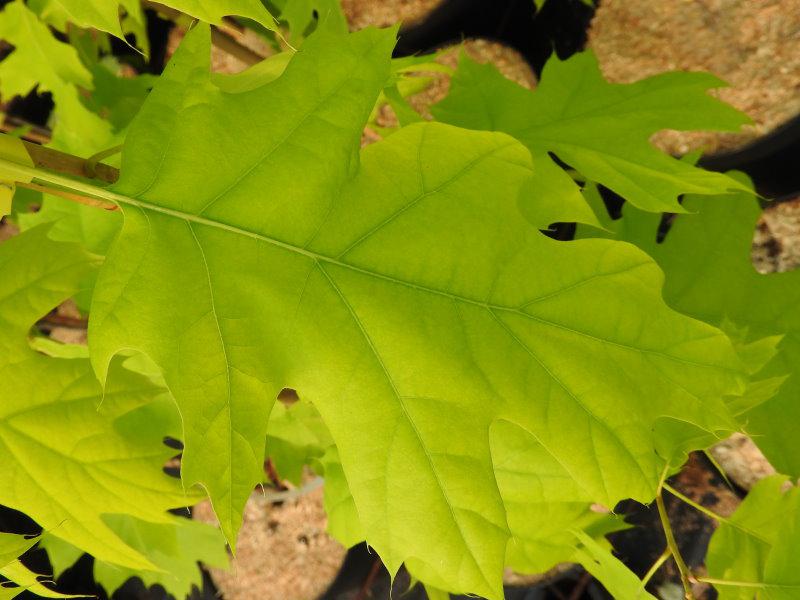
672	545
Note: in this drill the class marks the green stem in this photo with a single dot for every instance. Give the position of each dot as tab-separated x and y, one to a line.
672	545
92	161
656	566
699	507
712	514
25	173
712	581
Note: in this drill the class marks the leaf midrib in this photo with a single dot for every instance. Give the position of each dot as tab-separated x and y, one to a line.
322	258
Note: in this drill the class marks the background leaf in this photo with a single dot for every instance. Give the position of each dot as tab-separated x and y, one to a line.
600	129
69	460
720	285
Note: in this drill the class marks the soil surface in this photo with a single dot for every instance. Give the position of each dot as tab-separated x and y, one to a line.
776	247
754	45
283	551
382	13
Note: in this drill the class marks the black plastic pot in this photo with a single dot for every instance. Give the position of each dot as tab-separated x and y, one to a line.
561	25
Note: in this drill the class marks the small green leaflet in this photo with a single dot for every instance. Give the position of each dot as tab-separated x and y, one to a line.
391	291
69	461
600	129
540	3
38	58
100	14
757	546
718	285
343	522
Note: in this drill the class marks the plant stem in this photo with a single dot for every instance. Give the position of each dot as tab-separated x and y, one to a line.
71	189
672	545
67	164
712	581
656	566
85	200
710	513
695	505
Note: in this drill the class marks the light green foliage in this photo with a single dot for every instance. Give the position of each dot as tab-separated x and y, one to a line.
71	461
720	285
105	14
174	548
76	128
40	61
99	14
757	545
406	295
38	58
117	98
600	129
343	522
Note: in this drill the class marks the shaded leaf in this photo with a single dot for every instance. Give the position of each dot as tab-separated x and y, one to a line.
757	545
600	129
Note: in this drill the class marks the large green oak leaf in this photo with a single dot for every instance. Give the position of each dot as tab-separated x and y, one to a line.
404	292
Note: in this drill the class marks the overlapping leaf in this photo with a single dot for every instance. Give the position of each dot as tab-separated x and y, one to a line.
600	129
68	461
407	296
710	275
102	15
755	550
12	547
174	548
42	62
